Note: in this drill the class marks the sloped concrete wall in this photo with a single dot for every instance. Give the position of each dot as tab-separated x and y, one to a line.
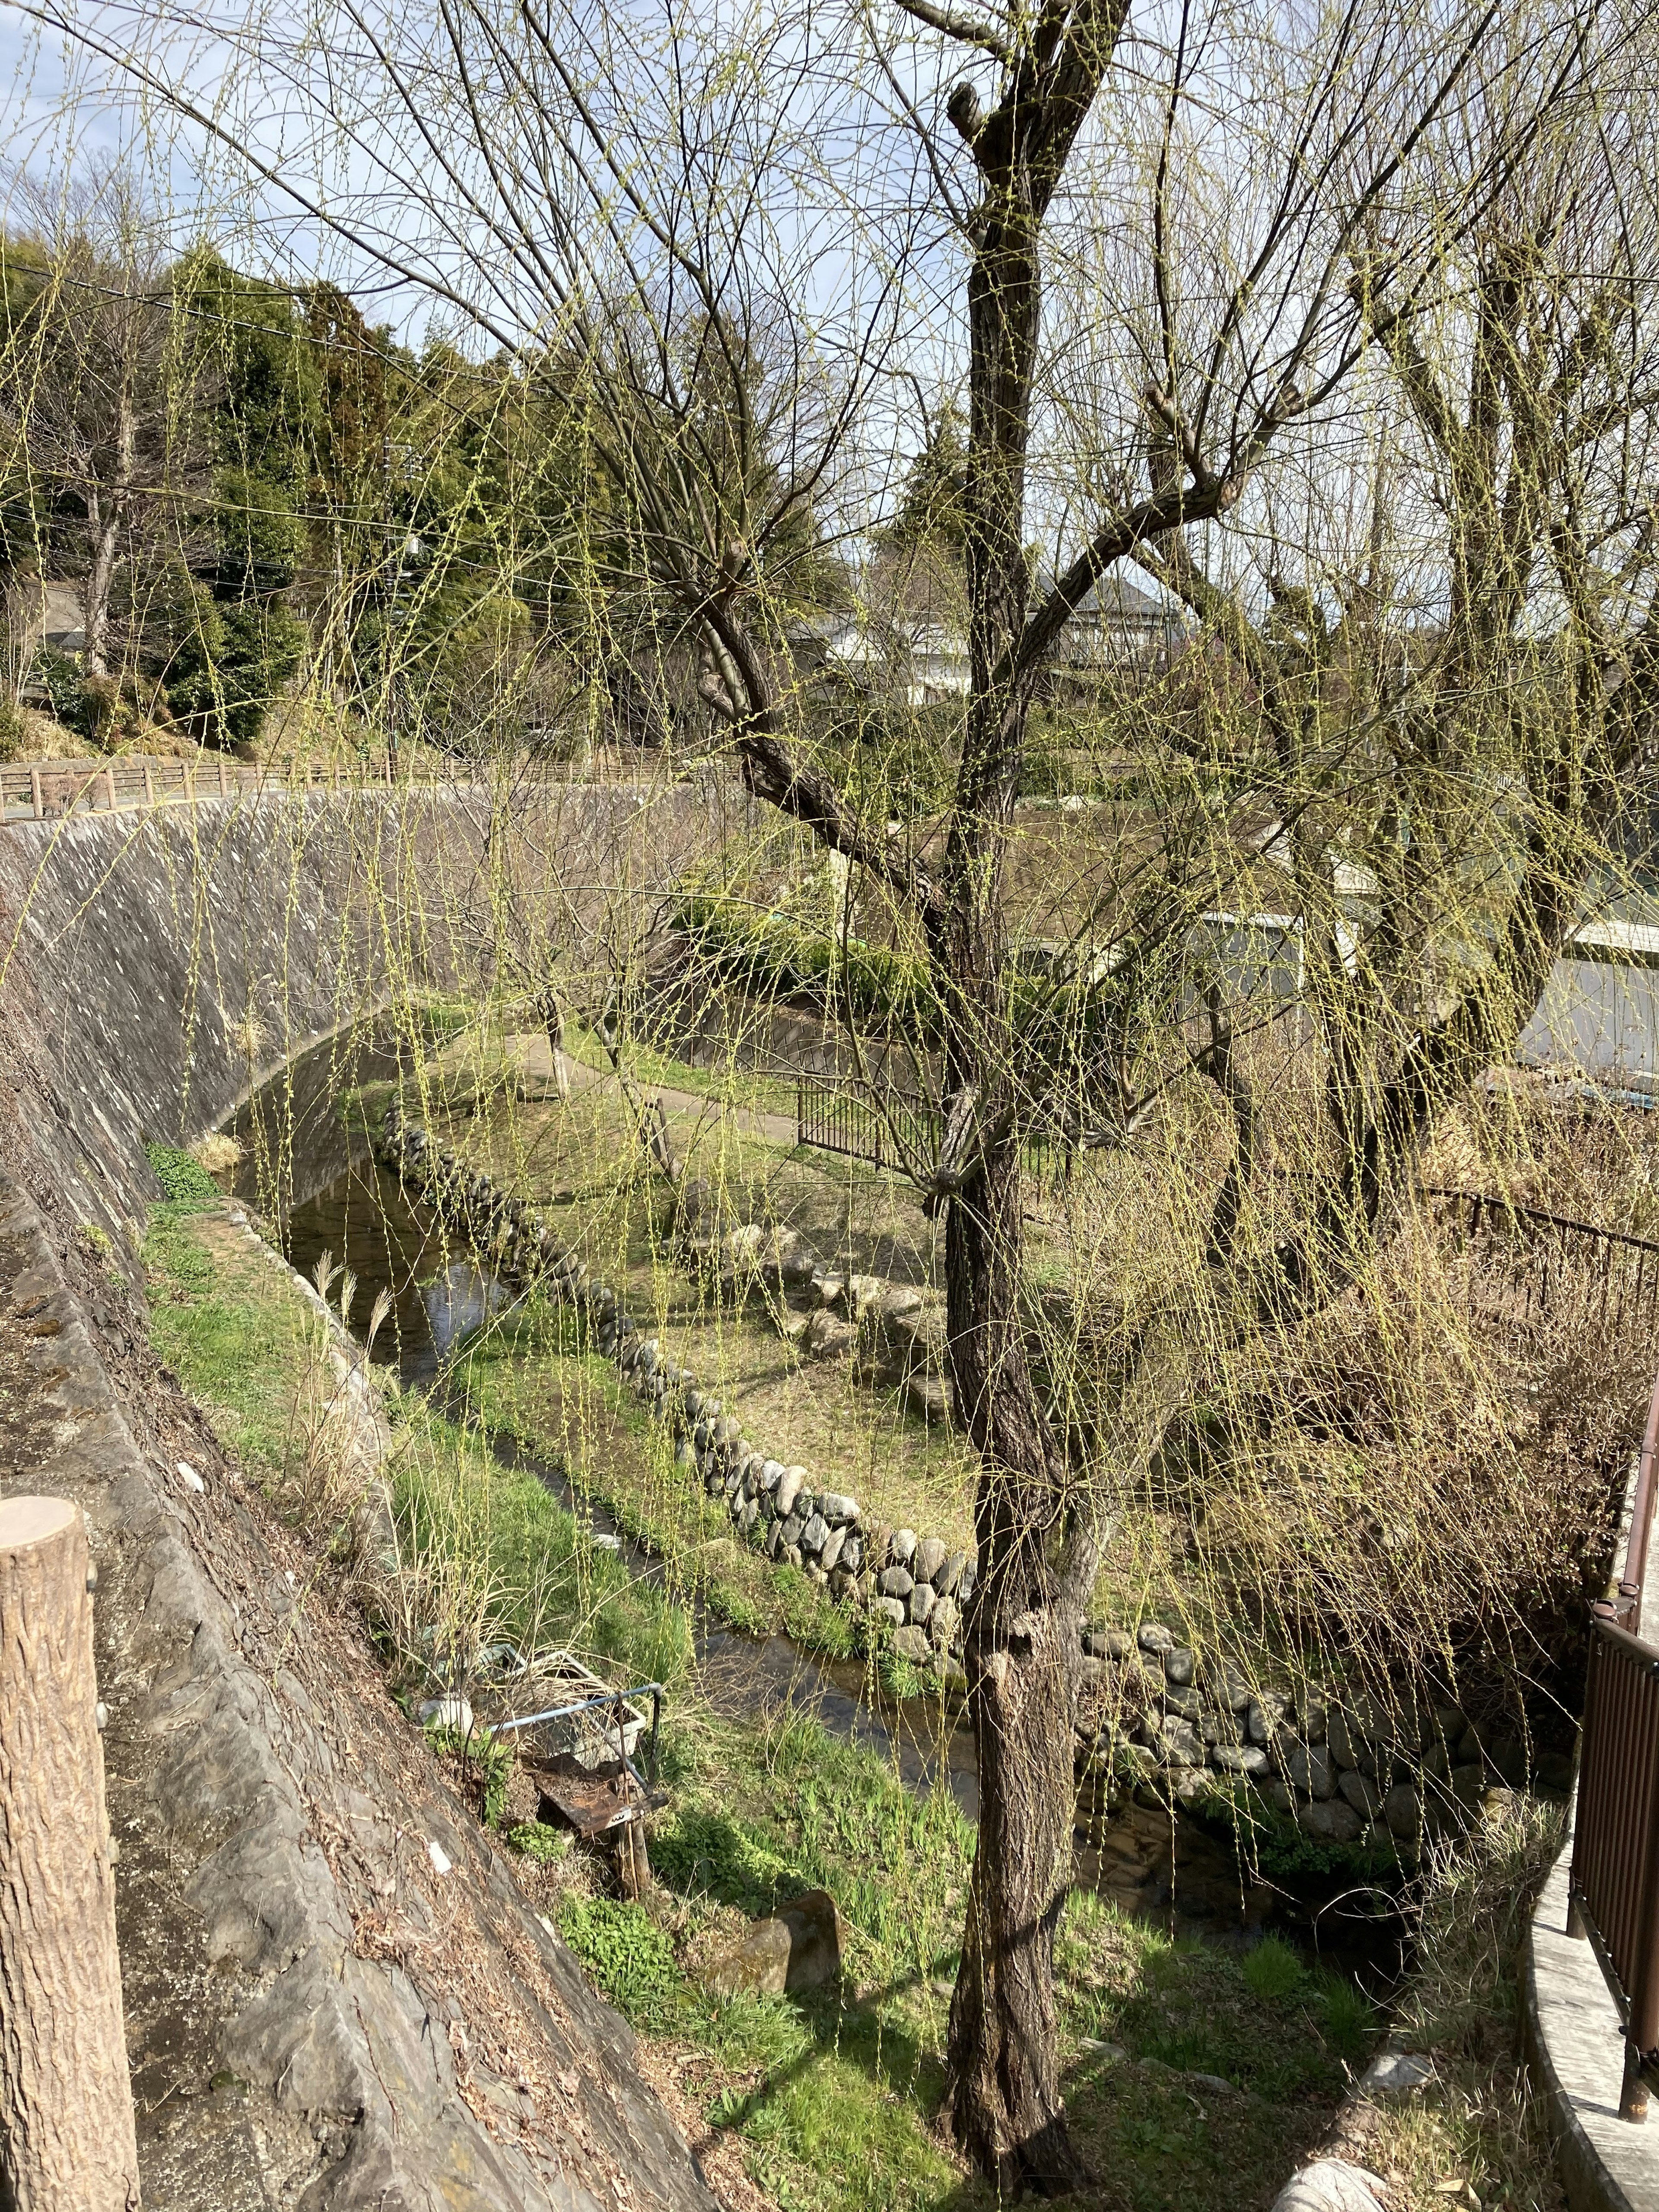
322	2011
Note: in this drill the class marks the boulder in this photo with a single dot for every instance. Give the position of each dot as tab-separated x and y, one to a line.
1361	1793
1402	1810
1239	1758
852	1552
792	1480
817	1939
1333	1820
827	1336
1152	1635
834	1544
757	1964
1266	1715
837	1509
922	1601
1107	1643
1331	2185
928	1396
911	1643
942	1622
891	1609
1179	1664
931	1556
1186	1703
904	1546
895	1582
1306	1768
949	1583
813	1535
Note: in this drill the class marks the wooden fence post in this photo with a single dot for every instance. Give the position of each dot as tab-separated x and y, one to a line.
66	2128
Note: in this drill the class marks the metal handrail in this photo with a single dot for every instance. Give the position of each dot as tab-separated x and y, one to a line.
1613	1885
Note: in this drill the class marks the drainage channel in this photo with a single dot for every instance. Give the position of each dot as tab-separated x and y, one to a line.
337	1202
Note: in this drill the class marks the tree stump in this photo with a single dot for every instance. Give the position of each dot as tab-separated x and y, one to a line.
67	2142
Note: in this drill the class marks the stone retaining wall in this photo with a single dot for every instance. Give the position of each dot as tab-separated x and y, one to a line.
1153	1717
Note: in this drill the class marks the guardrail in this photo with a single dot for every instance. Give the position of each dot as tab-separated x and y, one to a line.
1557	1250
1614	1886
892	1129
40	791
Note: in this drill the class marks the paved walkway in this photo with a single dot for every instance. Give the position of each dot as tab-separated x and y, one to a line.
533	1057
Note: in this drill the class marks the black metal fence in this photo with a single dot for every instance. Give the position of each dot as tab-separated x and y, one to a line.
890	1129
1540	1256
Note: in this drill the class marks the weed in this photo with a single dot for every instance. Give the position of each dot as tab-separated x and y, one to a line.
183	1180
626	1955
1273	1969
535	1841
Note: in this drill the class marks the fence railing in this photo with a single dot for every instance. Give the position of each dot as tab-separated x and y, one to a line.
894	1130
1613	1888
44	790
1621	1270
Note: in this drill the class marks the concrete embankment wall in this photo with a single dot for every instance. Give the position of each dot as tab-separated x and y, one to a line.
336	1995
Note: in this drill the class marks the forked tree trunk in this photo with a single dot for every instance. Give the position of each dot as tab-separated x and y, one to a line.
67	2140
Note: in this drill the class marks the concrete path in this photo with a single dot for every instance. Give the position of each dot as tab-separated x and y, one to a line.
532	1057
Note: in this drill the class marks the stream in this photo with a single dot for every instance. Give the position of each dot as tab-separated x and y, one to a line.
307	1167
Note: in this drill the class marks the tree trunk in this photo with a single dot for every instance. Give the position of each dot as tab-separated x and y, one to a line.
108	514
1020	1636
66	2127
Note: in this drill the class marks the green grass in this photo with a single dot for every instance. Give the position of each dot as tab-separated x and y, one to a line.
532	1377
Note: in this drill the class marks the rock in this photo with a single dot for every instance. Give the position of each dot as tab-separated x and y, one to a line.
949	1583
1225	1687
852	1552
1468	1783
792	1480
892	1609
922	1601
895	1582
817	1939
1152	1635
834	1545
1361	1792
686	1456
1178	1665
970	1577
1468	1750
1276	1793
452	1712
928	1396
1311	1718
1217	2084
771	1474
1306	1769
1331	2185
1395	2073
1348	1747
1186	1703
1265	1714
931	1556
827	1336
863	1291
1221	1728
904	1546
911	1643
814	1535
1239	1758
942	1623
1332	1821
1105	1643
758	1964
1553	1771
1402	1809
1173	1740
837	1509
789	1531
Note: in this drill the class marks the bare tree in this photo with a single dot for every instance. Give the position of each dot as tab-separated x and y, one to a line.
1241	212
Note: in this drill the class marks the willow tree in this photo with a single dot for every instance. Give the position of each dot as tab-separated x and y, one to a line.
812	215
